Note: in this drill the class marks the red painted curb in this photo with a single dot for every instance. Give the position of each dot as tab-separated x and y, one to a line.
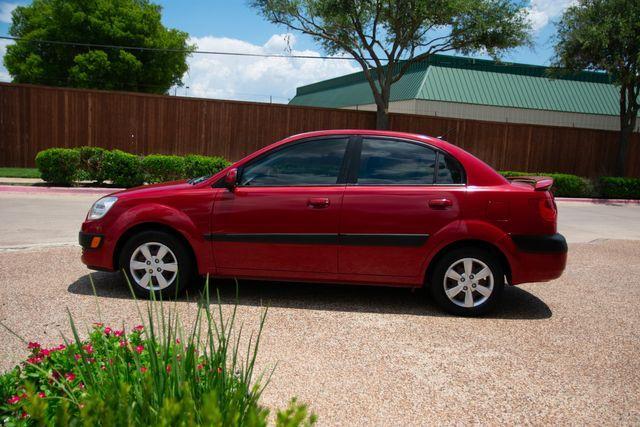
56	190
599	201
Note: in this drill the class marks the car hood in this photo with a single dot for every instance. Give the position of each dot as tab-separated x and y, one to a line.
153	190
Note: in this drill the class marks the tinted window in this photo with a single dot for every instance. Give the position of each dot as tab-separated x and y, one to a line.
315	162
449	171
393	162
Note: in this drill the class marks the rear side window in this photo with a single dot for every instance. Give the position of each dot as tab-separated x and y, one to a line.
393	162
316	162
449	170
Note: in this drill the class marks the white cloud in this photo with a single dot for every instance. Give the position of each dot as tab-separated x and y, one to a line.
255	78
4	74
5	11
542	12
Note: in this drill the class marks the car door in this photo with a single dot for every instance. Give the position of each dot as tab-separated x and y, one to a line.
284	213
401	193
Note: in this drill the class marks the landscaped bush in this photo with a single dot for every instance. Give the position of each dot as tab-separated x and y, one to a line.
161	168
196	166
564	185
154	374
58	166
613	187
123	169
65	166
92	163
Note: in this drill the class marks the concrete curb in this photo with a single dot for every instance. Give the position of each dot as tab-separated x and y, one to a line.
56	190
599	201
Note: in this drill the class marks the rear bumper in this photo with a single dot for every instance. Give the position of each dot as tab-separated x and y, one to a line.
538	258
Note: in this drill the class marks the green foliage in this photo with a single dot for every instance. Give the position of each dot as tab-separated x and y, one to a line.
105	22
604	35
400	33
19	173
123	169
619	188
197	166
564	184
92	163
161	168
155	374
58	165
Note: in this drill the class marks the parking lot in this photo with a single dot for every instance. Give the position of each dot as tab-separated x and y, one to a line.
559	352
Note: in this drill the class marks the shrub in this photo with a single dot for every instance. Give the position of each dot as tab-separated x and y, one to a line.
58	165
564	185
154	374
92	161
196	166
614	187
123	169
160	168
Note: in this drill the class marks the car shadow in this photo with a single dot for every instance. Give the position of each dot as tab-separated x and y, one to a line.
516	302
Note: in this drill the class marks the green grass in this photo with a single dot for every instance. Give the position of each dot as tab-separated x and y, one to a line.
19	173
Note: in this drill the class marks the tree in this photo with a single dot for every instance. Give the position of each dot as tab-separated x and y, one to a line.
387	36
604	35
104	22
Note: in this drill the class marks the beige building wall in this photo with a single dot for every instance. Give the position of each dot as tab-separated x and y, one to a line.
501	114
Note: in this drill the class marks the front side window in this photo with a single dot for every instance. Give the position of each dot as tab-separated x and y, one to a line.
394	162
316	162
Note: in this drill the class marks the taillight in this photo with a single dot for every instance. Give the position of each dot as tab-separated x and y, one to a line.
548	209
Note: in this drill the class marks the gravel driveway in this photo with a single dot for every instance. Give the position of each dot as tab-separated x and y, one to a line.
561	352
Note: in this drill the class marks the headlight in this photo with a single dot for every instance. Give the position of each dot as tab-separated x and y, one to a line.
101	207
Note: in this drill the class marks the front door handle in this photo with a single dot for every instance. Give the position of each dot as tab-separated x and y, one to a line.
440	203
318	202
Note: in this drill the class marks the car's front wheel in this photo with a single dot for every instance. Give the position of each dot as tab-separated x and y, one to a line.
467	281
156	263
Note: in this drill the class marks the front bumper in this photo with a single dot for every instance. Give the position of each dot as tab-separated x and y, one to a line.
96	250
538	258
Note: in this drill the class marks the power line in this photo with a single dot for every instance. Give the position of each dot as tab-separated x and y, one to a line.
159	49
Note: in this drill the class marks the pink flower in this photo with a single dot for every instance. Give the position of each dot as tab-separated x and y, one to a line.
138	328
177	340
139	349
34	360
77	356
88	348
24	415
13	400
143	369
107	330
219	370
42	394
123	343
168	368
98	325
33	345
61	347
70	376
118	333
81	385
199	367
45	352
103	367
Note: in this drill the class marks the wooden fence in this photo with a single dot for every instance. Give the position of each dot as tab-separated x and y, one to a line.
33	118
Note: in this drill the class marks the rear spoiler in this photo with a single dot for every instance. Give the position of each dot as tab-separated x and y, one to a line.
539	183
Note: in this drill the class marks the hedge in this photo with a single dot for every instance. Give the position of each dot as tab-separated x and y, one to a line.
64	166
613	187
609	187
59	166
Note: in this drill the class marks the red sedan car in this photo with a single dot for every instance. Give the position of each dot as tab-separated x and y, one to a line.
350	206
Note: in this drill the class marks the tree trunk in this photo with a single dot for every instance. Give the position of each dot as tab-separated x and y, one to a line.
382	118
628	116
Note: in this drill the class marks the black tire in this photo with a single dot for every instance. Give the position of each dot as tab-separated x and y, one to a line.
185	264
437	282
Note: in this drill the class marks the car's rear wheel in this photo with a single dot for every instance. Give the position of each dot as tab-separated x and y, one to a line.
467	281
156	263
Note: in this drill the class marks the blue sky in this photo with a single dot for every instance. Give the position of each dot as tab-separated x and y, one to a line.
233	26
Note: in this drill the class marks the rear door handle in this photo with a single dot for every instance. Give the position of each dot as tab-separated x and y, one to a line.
318	202
440	203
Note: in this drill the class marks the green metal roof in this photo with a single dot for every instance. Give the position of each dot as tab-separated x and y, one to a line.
472	81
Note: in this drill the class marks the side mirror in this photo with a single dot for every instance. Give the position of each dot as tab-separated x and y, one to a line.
231	179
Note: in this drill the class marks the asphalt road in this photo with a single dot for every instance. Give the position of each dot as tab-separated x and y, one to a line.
53	219
563	352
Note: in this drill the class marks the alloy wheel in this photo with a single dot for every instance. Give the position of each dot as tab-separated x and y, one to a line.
153	266
468	282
